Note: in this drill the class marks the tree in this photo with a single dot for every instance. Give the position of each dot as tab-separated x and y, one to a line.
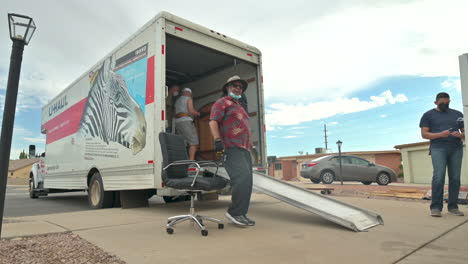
23	155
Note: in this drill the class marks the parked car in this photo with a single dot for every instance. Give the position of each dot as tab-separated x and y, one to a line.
326	169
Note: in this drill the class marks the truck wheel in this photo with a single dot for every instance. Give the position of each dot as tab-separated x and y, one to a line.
32	192
97	197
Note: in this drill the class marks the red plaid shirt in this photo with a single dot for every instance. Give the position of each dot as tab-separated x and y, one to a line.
233	121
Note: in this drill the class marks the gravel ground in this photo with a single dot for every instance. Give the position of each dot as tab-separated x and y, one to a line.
53	249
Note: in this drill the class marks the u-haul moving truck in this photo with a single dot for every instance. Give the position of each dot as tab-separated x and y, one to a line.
102	130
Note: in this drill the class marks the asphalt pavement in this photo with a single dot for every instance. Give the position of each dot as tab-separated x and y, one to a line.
18	203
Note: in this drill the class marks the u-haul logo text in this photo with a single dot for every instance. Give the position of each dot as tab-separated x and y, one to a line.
57	106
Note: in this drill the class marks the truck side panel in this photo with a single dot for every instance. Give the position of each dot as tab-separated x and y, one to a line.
105	121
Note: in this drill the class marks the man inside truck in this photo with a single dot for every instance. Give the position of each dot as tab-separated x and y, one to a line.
185	112
172	93
230	127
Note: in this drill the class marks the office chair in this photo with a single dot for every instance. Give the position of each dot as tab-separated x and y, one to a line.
176	176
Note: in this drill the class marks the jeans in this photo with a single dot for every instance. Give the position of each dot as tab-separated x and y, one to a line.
443	159
238	164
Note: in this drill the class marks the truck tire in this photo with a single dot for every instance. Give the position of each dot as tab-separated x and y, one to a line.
97	197
32	192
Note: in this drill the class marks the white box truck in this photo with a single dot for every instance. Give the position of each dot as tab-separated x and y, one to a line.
102	130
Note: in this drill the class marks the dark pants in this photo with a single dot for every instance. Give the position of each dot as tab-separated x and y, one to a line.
442	160
238	164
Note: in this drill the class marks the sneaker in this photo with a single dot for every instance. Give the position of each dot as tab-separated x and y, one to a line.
250	222
436	213
237	220
456	212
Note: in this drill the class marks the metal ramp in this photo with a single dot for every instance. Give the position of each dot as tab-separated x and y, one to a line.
341	213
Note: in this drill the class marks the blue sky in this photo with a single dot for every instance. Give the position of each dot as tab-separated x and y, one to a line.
368	69
380	128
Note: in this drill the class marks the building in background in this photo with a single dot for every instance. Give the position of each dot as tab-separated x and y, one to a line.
417	164
288	168
20	168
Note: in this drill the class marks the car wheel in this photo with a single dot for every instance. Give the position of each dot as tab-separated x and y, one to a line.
383	178
97	197
366	182
315	181
32	192
327	176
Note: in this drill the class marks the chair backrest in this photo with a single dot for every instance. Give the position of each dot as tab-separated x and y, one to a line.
173	148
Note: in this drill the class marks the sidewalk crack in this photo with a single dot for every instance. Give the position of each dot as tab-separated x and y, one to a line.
52	223
429	242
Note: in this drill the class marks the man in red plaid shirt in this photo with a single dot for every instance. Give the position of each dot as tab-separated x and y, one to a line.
230	126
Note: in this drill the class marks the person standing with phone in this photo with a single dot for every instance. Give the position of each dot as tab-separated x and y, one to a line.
444	127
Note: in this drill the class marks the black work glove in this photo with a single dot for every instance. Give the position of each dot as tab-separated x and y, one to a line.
219	146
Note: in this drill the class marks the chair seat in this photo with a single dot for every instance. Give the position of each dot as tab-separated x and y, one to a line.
202	183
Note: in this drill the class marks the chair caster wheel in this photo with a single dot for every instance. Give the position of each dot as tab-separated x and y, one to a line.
170	231
204	232
220	226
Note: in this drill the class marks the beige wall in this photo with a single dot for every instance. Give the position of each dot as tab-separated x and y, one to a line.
417	166
20	173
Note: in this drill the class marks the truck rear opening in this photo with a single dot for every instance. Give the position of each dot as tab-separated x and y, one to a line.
205	70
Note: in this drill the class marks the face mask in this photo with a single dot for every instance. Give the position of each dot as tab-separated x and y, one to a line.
443	107
237	97
175	93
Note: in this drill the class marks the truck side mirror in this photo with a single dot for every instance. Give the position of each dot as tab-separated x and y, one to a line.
32	151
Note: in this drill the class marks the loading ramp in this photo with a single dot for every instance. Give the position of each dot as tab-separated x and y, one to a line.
344	214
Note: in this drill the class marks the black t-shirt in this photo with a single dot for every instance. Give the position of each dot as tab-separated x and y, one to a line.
438	121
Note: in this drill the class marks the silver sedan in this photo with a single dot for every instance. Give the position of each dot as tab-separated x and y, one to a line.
326	169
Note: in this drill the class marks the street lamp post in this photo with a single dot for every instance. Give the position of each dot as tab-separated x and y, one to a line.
339	143
21	30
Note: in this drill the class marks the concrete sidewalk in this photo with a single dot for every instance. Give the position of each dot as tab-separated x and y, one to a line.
284	234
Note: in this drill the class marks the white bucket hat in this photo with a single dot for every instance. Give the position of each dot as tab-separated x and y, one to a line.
235	79
187	90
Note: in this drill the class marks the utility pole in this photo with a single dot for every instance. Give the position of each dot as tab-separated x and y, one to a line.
326	142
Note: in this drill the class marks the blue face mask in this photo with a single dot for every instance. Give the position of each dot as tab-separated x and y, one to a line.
234	96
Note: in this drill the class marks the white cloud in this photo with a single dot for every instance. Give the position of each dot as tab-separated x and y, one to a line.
297	128
287	114
18	130
452	84
289	137
347	50
36	140
343	45
383	116
332	123
298	132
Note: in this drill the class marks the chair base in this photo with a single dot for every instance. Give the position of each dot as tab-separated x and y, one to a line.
195	218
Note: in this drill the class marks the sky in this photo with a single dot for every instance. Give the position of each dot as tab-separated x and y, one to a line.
366	69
